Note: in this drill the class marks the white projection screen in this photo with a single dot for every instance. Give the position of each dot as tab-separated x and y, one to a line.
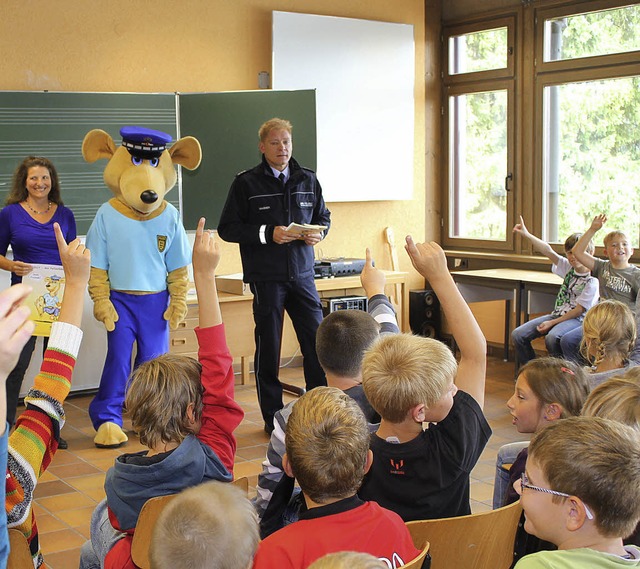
363	72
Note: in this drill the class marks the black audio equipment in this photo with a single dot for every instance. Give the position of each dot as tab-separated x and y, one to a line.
332	304
424	313
338	267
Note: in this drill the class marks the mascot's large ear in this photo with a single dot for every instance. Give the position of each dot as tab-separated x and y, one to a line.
186	152
97	144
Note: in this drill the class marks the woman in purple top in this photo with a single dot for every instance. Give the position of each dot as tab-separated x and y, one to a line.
26	224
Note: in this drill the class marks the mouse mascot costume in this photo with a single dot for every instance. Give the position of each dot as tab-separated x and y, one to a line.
139	258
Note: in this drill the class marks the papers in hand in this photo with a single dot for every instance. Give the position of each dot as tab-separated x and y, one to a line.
45	299
305	228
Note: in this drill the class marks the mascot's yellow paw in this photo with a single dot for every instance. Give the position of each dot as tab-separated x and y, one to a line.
110	435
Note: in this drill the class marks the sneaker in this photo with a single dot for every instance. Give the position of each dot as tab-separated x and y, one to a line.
63	444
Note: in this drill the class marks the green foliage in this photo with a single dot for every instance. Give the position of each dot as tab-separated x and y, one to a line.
598	126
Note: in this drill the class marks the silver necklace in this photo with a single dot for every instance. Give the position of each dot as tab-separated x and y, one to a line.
38	212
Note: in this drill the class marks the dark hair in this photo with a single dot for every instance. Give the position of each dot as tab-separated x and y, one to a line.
19	185
341	340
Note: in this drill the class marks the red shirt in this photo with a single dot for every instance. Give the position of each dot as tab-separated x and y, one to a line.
347	525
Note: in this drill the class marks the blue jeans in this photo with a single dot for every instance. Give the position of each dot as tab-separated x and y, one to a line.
507	454
103	538
523	335
570	346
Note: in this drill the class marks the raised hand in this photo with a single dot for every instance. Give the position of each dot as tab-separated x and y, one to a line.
372	279
206	251
598	222
521	228
75	257
427	258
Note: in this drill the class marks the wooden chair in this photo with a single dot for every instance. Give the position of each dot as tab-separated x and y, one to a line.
478	541
20	555
147	520
418	561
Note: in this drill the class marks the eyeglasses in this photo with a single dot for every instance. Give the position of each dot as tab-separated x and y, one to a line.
524	483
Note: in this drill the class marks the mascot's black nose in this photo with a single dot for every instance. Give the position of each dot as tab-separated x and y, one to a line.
149	196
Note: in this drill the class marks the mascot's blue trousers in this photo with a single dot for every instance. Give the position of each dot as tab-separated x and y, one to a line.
139	320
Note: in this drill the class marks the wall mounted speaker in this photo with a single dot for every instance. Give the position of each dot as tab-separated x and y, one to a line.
424	313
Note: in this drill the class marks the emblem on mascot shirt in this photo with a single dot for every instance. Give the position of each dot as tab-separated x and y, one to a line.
162	242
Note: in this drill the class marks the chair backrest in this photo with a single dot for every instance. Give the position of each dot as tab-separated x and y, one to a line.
20	555
147	520
418	561
477	541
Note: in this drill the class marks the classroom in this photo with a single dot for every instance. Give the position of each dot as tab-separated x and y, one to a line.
200	46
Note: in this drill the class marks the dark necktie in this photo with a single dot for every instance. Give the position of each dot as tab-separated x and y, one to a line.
281	177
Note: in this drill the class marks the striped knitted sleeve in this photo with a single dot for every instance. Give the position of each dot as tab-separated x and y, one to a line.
35	439
382	311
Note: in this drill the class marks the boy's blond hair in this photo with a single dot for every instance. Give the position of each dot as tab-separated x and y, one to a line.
402	371
348	560
612	235
271	124
597	460
159	393
608	330
327	444
212	525
617	399
554	380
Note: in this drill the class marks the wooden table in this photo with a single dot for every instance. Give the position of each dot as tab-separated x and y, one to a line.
237	314
525	291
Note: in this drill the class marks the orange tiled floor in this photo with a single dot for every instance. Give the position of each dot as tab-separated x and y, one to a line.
69	490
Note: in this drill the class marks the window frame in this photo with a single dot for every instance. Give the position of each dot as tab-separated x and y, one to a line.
473	76
503	79
530	76
569	65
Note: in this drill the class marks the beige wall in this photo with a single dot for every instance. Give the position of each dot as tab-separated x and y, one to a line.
220	45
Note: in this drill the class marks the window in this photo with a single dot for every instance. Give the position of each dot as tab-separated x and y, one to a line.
589	93
543	125
478	111
478	51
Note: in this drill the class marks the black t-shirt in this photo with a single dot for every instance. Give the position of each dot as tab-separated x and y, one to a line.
428	477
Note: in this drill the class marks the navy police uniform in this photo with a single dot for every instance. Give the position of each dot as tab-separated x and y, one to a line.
280	276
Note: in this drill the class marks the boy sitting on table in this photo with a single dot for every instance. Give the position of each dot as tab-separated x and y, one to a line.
577	294
618	279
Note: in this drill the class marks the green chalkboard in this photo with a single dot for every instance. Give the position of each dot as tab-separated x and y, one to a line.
54	124
226	124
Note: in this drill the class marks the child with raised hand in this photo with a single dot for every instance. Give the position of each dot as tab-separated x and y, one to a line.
328	454
577	294
618	279
581	492
341	340
34	442
608	340
409	380
184	411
